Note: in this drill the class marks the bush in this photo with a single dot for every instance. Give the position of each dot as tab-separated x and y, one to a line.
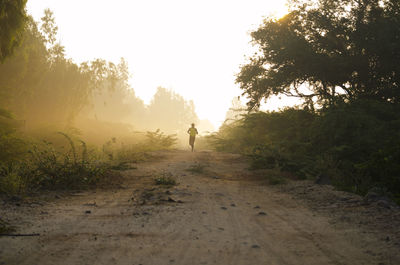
158	141
356	144
47	168
67	162
12	179
165	180
362	138
115	150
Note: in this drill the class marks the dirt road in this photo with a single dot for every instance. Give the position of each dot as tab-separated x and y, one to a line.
218	214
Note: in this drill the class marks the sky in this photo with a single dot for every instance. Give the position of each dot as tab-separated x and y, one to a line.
194	48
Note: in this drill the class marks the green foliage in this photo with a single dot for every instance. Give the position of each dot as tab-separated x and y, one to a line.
165	180
140	147
280	130
327	51
130	153
12	146
52	169
49	27
340	57
12	21
49	165
362	137
42	91
39	78
356	145
49	168
264	156
12	179
6	114
158	141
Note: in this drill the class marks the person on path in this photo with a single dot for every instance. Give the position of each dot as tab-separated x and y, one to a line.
192	135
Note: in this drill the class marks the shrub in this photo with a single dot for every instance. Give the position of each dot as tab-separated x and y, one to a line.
165	180
48	168
356	143
158	141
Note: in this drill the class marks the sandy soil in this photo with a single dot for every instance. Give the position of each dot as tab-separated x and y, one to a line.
222	214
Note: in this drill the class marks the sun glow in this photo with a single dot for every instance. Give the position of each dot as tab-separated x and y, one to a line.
192	47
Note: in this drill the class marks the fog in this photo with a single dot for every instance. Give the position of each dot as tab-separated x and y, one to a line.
45	92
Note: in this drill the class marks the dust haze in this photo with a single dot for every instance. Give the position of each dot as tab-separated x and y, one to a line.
91	173
47	92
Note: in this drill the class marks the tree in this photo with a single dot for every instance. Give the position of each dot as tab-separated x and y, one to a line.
113	99
49	31
236	111
326	51
39	77
12	20
170	112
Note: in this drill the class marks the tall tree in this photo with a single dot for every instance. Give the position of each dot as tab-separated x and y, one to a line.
12	20
39	84
236	110
327	50
115	100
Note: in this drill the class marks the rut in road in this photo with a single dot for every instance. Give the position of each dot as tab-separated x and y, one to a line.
217	215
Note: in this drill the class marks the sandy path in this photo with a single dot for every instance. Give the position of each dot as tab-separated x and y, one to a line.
224	218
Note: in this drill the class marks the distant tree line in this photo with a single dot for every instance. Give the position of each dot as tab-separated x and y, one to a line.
39	84
66	125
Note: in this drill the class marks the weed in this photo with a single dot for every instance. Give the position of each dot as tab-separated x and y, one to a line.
166	180
50	169
11	181
48	166
158	141
74	155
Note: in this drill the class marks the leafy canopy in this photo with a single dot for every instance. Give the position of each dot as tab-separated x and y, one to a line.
12	20
326	51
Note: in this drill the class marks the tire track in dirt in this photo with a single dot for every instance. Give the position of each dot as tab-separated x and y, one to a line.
297	236
225	218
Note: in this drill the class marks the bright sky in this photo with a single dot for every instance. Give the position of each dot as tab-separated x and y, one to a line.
192	47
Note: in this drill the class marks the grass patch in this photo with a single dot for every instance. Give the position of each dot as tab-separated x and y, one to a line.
197	168
165	180
65	162
50	167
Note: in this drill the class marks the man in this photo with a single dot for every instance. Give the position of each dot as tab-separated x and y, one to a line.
192	132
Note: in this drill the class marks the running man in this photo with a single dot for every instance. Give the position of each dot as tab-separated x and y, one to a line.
192	132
